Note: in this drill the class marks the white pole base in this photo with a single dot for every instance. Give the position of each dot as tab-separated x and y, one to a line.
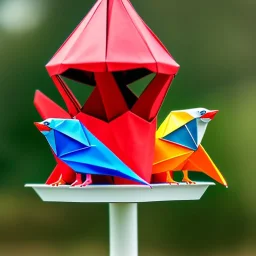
123	219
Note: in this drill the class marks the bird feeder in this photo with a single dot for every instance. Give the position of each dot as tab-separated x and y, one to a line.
111	48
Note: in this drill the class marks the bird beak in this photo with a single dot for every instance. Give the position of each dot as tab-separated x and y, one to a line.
41	127
210	114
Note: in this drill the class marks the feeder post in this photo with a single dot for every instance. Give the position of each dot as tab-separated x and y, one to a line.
123	221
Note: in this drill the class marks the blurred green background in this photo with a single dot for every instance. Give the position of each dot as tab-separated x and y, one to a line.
214	42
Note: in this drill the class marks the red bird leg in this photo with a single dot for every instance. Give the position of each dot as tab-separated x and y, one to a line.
88	180
78	180
60	181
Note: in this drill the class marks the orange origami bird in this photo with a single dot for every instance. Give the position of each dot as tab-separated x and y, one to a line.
178	146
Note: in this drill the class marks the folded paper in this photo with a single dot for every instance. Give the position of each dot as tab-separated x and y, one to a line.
178	146
122	51
112	136
77	147
62	173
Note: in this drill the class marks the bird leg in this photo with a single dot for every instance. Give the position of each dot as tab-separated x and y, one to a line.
78	180
170	180
186	178
60	181
88	180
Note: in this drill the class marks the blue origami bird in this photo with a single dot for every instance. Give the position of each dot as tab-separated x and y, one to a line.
77	147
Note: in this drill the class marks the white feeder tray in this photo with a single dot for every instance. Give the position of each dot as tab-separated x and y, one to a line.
121	193
122	199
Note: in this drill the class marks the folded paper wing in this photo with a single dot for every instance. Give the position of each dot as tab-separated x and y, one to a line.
172	122
77	147
169	156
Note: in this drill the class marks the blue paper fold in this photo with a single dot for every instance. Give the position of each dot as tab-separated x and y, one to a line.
76	146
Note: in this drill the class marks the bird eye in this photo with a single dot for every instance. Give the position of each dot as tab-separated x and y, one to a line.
46	123
202	112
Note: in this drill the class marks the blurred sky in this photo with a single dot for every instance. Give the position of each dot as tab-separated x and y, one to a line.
213	41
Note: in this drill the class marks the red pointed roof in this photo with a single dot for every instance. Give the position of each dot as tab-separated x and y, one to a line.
112	37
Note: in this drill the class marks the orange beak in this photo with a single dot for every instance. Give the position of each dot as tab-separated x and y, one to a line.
41	127
210	114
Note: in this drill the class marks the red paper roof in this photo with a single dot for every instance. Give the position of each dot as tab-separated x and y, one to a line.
112	37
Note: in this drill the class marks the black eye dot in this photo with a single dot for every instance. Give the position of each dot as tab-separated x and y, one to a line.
46	123
202	112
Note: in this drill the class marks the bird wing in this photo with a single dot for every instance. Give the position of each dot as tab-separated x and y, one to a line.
173	122
99	160
169	156
200	161
73	129
95	158
182	137
66	145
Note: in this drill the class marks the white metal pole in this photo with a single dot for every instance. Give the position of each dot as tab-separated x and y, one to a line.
123	221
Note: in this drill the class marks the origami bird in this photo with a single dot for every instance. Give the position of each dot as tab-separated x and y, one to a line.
62	173
77	147
178	146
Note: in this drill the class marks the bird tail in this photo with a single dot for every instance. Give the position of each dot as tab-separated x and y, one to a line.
48	108
200	161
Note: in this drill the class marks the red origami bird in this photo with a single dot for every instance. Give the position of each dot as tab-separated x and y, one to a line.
111	48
